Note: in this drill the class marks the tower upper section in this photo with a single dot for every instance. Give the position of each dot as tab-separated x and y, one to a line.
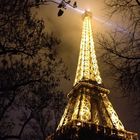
87	68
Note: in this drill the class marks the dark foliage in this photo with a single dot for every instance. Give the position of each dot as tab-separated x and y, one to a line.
122	47
30	74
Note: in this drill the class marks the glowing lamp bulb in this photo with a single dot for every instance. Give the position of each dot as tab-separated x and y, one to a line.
79	123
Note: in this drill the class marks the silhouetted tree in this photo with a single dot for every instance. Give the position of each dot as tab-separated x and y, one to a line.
62	5
30	74
30	85
122	46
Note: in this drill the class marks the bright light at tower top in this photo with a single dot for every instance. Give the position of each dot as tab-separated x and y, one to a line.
87	13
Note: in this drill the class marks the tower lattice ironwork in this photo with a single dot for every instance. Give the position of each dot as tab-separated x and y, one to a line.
89	115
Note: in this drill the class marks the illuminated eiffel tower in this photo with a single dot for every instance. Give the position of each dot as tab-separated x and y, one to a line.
89	115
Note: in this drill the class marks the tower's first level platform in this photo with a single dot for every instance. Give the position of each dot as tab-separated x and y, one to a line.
77	130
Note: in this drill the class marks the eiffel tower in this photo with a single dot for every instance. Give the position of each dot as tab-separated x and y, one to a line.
89	115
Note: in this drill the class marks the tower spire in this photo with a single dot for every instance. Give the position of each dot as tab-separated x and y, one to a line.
87	68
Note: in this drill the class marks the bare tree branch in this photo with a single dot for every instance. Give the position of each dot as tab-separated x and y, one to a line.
21	130
138	2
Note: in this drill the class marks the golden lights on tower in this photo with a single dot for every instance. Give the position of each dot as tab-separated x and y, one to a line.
87	68
88	101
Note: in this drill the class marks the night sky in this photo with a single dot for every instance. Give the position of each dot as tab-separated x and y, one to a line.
68	28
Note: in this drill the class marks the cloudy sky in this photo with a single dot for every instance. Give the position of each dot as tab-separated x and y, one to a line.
68	28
